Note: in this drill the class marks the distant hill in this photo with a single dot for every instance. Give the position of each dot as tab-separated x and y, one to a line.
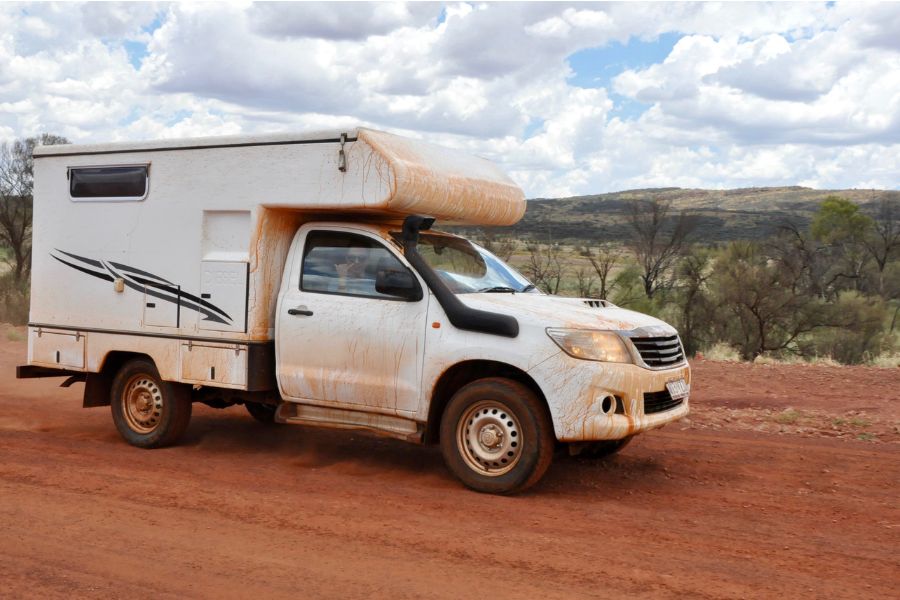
746	213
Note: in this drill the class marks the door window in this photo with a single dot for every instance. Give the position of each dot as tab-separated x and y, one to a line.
336	262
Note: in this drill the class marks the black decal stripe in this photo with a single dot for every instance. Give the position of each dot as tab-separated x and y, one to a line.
177	300
104	276
188	305
122	267
90	261
185	295
172	290
180	298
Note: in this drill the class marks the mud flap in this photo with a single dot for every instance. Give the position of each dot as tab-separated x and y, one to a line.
97	389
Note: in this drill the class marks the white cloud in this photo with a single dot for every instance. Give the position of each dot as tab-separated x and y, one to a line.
354	21
752	94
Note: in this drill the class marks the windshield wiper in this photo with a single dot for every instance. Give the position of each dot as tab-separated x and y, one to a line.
497	289
528	288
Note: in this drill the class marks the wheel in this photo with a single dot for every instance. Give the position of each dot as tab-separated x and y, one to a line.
496	436
147	411
264	413
604	448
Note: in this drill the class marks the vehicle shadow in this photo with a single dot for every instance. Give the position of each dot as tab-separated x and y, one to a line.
362	454
233	431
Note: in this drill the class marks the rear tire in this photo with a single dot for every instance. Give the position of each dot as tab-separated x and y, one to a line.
147	411
496	436
264	413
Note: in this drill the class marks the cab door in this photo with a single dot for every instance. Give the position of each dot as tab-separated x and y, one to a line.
341	342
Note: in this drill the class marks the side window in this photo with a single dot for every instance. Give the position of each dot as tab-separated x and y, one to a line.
335	262
109	184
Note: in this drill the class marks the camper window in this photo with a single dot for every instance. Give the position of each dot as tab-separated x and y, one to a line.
109	184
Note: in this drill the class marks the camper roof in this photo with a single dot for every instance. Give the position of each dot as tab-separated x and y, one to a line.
197	143
415	177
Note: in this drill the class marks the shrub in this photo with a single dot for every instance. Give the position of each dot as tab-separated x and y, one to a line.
14	300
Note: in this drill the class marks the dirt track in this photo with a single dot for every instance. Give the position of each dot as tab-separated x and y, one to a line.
767	491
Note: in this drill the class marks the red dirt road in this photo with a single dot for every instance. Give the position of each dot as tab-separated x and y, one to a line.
783	483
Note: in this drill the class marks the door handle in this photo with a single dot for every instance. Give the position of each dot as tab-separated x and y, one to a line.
300	310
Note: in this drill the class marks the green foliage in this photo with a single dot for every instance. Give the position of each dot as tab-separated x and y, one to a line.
628	291
839	221
831	293
859	334
16	184
760	304
14	300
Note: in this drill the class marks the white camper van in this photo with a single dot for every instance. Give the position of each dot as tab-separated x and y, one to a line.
300	276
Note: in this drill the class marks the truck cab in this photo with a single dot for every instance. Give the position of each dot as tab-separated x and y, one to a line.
581	372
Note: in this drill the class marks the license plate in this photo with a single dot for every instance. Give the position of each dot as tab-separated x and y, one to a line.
678	389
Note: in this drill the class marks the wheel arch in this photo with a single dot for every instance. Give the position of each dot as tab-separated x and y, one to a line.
98	386
463	373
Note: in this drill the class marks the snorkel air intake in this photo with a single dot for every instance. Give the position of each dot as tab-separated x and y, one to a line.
460	315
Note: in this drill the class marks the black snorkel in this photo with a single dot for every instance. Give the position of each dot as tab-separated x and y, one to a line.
460	315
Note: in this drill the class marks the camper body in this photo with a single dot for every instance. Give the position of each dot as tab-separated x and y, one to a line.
296	275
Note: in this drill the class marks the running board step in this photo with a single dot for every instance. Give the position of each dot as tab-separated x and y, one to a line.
341	418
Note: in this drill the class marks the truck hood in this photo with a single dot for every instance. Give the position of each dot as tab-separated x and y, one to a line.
573	313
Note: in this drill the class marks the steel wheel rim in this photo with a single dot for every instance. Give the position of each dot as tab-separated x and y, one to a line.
489	438
142	404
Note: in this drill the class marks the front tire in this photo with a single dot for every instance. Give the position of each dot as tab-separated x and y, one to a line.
147	411
496	436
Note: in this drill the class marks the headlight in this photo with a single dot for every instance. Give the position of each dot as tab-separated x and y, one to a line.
587	344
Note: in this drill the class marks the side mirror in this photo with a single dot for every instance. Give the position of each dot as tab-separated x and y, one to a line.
398	282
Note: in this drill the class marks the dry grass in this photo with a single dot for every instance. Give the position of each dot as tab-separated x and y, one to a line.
722	352
887	360
790	359
788	417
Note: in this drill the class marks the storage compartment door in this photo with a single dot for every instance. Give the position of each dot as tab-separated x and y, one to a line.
214	365
63	349
161	307
223	296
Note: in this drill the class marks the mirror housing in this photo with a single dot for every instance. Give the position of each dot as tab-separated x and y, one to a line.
398	282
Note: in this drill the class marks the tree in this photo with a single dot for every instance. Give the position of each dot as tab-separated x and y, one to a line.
584	282
16	185
768	303
502	248
696	312
843	228
544	266
804	256
658	240
883	239
603	260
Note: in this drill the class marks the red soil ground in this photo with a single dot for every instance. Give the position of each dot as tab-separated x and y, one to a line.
783	483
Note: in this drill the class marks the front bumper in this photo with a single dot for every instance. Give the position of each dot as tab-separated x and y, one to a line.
575	390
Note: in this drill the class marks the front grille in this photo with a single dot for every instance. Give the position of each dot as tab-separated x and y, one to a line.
656	402
659	351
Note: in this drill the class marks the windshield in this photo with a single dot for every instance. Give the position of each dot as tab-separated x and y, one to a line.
466	267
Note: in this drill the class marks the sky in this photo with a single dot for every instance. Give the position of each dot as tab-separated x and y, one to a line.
569	99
